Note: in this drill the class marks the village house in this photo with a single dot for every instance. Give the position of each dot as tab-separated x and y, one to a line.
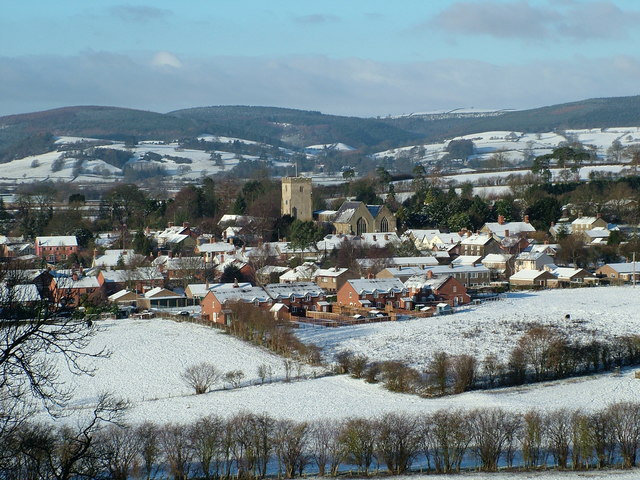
427	289
197	291
72	290
378	293
583	224
140	279
332	279
568	275
471	276
215	304
209	251
298	297
501	266
623	272
531	278
502	228
301	273
159	298
115	258
56	248
532	261
479	245
401	273
177	238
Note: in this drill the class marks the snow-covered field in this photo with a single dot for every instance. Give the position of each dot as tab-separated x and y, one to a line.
491	328
149	356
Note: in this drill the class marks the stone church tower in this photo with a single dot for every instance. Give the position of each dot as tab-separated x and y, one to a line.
296	198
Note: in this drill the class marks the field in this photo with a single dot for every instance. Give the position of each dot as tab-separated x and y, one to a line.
148	357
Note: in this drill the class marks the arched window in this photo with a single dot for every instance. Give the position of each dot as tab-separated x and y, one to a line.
384	225
294	212
361	226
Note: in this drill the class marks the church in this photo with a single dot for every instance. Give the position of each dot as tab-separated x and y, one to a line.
353	218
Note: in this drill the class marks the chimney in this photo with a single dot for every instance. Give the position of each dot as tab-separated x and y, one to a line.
429	274
386	236
222	258
526	219
235	283
506	233
185	224
501	219
598	215
170	224
74	276
451	265
212	239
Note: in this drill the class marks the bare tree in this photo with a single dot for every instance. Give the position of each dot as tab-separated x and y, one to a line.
398	441
117	449
206	439
174	439
491	430
625	419
449	437
234	377
464	372
358	438
558	428
533	439
325	447
149	448
201	376
31	331
291	445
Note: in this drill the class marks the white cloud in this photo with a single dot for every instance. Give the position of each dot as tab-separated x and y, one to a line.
532	20
166	59
347	86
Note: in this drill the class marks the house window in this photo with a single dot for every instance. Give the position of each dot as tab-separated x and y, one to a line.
455	289
350	295
384	225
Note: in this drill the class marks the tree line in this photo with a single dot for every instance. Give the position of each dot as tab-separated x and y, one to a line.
543	353
249	445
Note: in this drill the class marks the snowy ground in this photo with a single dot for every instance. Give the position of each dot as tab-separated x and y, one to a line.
548	475
149	355
493	327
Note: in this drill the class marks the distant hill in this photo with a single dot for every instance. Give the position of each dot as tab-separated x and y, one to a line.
28	134
592	113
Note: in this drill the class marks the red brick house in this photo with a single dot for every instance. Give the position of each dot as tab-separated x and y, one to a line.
56	248
298	296
372	292
442	289
215	305
72	291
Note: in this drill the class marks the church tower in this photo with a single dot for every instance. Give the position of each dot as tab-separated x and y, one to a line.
296	198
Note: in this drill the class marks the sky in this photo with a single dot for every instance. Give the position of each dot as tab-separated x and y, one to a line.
346	57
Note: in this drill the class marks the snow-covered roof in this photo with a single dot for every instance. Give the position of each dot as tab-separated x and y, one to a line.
528	274
531	256
567	272
467	260
19	293
201	289
380	285
216	247
58	241
111	257
476	239
301	272
279	291
159	292
346	212
513	228
380	239
422	280
82	282
496	258
584	220
247	295
142	273
119	294
625	267
329	272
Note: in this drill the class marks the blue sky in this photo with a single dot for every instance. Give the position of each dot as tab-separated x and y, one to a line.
350	57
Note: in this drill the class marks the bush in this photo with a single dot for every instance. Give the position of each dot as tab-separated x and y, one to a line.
201	377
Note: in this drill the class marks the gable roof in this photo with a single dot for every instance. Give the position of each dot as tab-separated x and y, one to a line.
379	285
346	212
527	274
57	241
247	295
279	291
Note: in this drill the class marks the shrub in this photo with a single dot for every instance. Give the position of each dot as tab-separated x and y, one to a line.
201	377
